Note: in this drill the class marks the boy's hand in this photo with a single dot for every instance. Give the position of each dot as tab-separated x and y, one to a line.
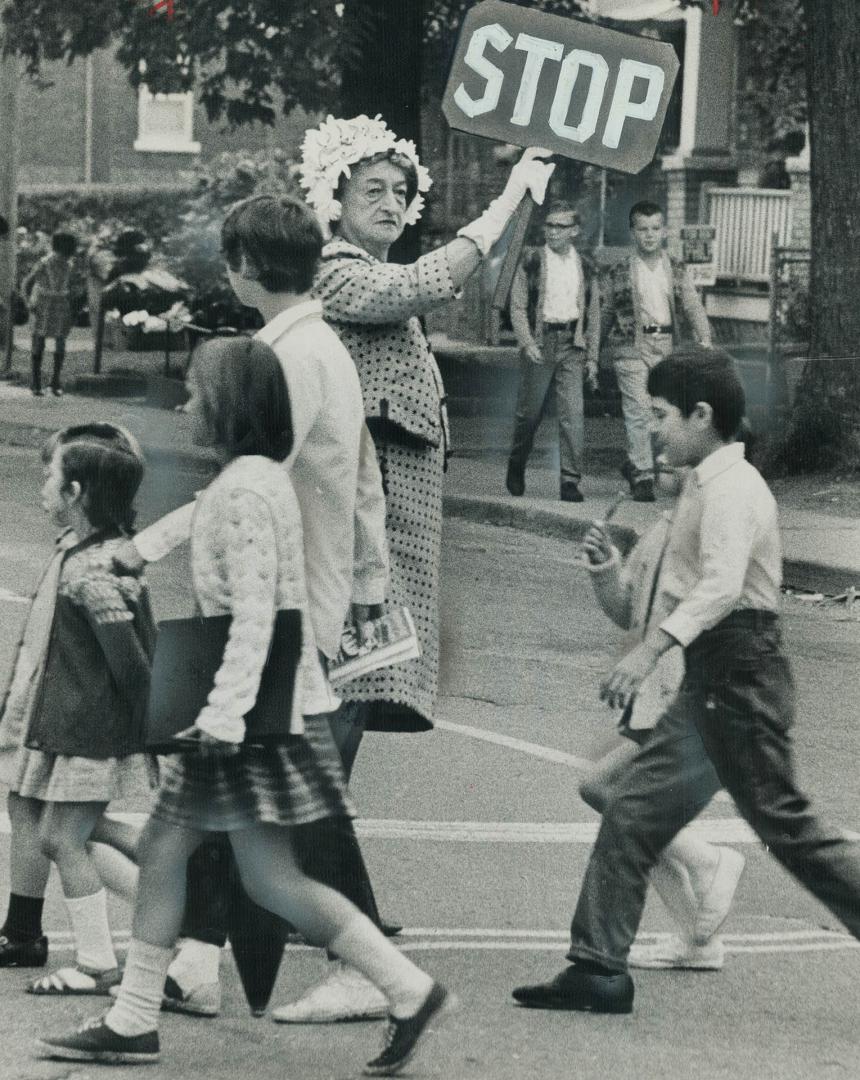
533	354
127	559
363	616
597	545
621	684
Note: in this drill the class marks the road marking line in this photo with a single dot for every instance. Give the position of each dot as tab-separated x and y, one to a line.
545	753
716	830
541	945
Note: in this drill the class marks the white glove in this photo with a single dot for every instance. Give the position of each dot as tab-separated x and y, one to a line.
529	175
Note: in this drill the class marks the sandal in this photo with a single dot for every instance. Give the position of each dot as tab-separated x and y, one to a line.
76	980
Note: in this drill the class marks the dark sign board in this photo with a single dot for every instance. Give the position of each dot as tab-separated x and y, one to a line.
523	77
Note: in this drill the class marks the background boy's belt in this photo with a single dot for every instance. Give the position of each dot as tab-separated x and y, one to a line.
657	328
561	326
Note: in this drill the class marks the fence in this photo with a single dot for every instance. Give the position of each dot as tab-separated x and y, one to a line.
749	222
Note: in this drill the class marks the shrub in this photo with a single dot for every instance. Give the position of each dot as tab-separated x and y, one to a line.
193	252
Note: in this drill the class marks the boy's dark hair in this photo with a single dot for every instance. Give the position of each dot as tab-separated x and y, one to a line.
279	239
399	160
106	461
64	243
695	374
244	397
644	209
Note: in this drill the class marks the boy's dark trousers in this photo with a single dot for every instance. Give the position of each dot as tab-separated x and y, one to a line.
735	707
327	851
36	356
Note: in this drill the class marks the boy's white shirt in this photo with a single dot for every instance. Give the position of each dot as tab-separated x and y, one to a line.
724	550
342	565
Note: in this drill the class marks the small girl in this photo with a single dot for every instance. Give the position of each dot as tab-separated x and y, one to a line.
247	561
48	287
71	732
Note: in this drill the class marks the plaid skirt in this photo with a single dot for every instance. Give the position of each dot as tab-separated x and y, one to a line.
297	782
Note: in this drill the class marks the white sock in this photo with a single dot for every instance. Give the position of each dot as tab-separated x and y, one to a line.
136	1009
90	926
117	871
364	947
195	964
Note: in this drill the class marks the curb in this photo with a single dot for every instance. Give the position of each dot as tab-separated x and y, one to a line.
528	518
32	437
802	574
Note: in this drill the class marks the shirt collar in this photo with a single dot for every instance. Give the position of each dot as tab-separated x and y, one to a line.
287	320
718	462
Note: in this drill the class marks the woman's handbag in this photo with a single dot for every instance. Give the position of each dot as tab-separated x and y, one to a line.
188	654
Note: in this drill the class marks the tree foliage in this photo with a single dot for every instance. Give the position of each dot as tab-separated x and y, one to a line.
238	56
772	96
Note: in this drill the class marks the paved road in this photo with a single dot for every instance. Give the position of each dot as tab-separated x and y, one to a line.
476	839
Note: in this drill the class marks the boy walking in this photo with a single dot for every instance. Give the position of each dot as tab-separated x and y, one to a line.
548	305
644	307
735	706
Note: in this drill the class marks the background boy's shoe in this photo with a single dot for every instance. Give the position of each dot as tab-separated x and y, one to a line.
344	995
570	492
201	1000
515	481
32	953
576	988
402	1036
95	1041
715	905
643	490
674	952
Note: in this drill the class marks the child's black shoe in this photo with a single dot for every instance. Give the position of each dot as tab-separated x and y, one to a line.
29	953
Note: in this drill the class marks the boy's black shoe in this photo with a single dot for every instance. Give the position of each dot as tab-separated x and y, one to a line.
643	491
32	953
403	1035
95	1041
570	492
585	991
515	481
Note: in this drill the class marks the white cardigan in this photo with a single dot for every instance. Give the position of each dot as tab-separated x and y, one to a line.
247	561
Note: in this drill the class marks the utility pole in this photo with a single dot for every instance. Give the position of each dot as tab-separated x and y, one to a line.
9	77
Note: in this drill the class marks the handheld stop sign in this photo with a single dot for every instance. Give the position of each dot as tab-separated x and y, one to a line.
531	79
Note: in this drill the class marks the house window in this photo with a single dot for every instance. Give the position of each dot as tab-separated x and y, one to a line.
165	123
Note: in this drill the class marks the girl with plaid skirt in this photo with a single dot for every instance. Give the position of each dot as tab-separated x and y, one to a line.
247	561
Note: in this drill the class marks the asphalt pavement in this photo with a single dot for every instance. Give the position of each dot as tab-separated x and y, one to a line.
476	840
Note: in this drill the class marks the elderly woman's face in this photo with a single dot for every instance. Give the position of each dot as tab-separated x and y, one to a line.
374	203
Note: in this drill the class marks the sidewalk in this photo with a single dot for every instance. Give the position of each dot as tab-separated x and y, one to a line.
822	549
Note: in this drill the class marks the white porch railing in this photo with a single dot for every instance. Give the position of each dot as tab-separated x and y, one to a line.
747	220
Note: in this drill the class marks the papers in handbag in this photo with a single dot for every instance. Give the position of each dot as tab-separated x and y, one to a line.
393	641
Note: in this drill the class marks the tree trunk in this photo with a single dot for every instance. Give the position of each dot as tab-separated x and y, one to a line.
825	421
10	76
381	73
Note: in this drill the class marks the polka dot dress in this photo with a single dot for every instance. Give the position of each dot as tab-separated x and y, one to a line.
374	308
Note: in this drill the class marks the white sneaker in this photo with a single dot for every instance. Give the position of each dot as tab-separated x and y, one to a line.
674	952
715	905
345	994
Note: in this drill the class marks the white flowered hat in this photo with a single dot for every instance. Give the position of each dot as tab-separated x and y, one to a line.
329	150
